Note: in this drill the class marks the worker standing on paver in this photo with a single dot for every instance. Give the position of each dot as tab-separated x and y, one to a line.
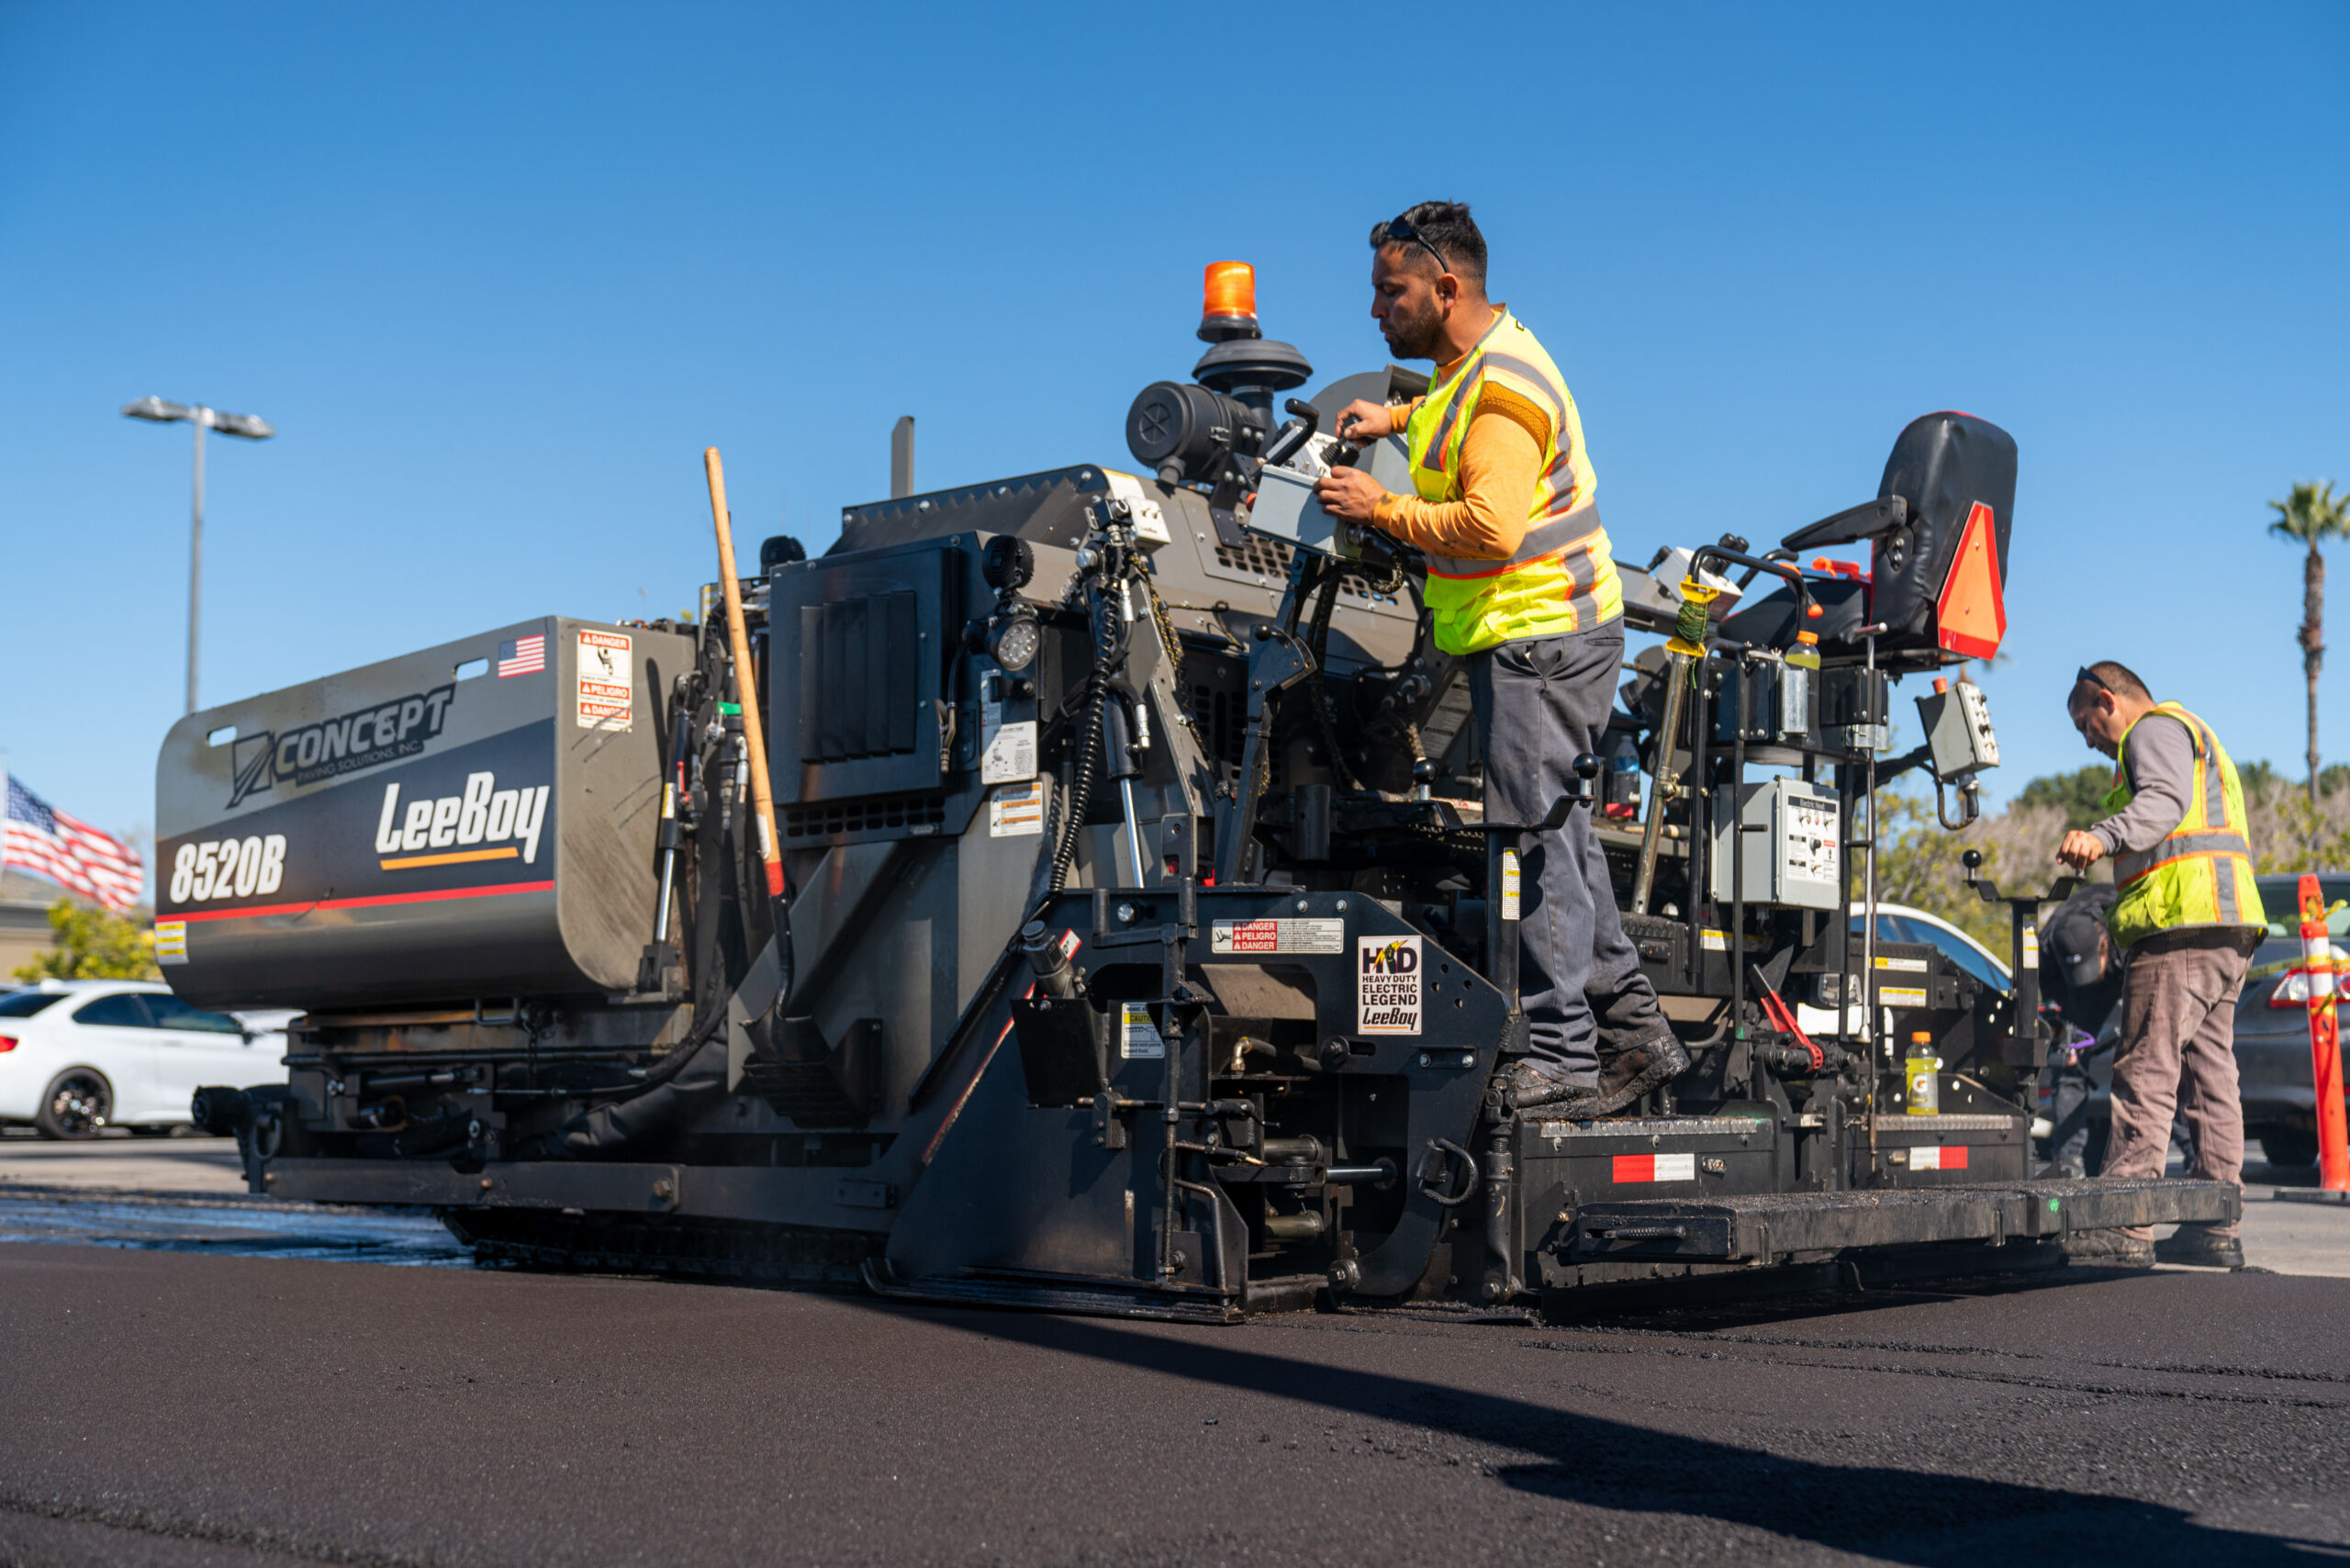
1520	581
2187	917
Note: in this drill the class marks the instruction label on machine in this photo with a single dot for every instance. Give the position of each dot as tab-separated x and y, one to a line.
1509	886
1008	752
1387	985
605	699
1278	936
1138	1038
1017	811
1900	995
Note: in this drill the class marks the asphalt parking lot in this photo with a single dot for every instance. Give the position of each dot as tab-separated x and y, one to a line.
171	1409
229	1382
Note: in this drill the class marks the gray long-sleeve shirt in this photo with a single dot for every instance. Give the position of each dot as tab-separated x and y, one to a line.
2159	756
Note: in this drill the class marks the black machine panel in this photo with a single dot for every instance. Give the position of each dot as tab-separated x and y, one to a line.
863	711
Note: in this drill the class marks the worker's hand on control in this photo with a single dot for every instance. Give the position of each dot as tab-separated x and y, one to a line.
1350	494
2081	850
1362	421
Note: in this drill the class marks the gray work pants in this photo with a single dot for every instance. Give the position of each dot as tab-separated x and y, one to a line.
2178	1056
1540	704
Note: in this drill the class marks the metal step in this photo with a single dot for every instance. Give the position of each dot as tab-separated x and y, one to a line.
1771	1227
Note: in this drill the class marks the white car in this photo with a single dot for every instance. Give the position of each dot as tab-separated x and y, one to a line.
77	1057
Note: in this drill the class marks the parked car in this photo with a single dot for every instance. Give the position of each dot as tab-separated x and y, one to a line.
2273	1070
1899	922
77	1057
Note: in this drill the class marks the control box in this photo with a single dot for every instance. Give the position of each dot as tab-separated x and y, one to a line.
1957	720
1285	507
1791	847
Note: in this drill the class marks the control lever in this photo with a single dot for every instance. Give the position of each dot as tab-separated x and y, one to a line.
1291	437
2026	1030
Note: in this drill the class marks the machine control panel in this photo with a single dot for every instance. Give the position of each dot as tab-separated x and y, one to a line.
1285	507
1792	849
1957	720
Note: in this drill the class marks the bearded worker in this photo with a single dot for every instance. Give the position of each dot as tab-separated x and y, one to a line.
1521	583
2187	918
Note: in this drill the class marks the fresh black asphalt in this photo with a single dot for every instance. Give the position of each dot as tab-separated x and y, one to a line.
160	1407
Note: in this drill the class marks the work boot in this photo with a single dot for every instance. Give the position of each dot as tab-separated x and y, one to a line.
2109	1248
1638	1070
2194	1245
1536	1081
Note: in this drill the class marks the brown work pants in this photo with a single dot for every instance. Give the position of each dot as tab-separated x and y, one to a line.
2177	1056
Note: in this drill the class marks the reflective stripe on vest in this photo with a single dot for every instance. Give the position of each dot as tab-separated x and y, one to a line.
1562	576
2199	873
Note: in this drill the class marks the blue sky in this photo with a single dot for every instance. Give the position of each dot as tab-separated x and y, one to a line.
498	274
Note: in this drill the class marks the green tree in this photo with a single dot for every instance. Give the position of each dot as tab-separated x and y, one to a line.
1920	864
93	945
2311	515
2081	796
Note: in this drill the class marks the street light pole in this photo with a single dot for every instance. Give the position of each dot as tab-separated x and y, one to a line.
195	562
156	410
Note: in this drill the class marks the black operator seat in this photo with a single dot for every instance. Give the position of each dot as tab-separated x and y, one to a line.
1949	485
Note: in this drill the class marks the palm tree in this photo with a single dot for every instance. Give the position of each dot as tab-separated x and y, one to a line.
2308	517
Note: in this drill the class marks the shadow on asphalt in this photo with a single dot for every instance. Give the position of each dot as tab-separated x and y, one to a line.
1748	1311
1885	1511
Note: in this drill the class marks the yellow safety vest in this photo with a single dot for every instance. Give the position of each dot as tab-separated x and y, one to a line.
2200	873
1562	577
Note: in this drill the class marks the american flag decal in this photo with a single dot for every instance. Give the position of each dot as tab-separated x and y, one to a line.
69	852
524	655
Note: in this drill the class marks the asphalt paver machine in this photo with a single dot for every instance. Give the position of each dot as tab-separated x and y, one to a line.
1145	947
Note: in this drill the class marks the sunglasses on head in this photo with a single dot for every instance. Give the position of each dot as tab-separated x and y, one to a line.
1400	232
2088	676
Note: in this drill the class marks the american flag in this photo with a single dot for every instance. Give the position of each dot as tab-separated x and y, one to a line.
524	655
69	852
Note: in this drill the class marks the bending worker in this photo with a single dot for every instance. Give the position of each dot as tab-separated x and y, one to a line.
1520	580
2187	918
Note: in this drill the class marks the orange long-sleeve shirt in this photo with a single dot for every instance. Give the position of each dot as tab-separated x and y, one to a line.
1501	461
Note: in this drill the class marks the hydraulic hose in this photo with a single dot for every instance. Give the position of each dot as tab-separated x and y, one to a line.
1106	645
604	1127
1318	645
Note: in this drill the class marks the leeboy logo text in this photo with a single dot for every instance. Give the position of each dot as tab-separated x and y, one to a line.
444	830
344	743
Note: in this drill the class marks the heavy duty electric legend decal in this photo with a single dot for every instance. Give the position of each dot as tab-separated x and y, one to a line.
1387	985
